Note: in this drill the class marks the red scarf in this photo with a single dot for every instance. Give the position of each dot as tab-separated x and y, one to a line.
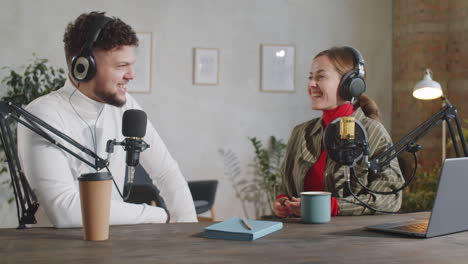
315	177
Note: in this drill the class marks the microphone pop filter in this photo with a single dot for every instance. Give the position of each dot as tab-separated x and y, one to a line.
344	151
134	123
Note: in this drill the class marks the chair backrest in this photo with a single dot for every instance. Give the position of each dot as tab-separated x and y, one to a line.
143	190
141	193
406	166
204	190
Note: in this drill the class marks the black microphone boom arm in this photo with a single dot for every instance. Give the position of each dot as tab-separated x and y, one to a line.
25	197
408	143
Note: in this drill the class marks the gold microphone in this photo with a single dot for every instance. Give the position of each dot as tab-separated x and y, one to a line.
347	127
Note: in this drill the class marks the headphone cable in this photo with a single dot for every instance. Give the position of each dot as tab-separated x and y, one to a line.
94	137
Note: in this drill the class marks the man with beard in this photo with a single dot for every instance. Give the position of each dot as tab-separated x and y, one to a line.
89	108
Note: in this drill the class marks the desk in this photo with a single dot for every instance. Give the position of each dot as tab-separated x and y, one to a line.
344	240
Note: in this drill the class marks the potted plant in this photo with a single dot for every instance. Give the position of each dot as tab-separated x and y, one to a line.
37	78
465	135
261	190
267	172
232	171
420	194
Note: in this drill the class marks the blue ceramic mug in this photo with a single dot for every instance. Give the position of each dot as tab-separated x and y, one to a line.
315	207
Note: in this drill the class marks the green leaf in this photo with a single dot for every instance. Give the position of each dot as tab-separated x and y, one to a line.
36	78
420	194
267	174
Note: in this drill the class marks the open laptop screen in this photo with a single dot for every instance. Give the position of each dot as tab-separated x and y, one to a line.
450	210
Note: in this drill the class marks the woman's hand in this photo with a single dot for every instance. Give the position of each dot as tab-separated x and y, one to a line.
294	206
284	207
280	209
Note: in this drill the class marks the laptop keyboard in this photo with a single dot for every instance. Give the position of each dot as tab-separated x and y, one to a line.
416	228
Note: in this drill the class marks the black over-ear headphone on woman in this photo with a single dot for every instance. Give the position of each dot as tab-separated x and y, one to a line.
83	66
352	84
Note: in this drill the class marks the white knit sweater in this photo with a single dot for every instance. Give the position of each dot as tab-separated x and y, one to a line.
53	173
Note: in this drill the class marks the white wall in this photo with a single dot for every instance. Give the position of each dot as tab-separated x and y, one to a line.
195	121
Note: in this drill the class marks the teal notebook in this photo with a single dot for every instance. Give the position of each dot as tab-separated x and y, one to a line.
234	229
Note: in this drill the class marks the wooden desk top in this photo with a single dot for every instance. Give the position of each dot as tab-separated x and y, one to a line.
344	240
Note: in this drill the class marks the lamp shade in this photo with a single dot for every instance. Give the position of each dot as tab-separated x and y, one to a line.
427	89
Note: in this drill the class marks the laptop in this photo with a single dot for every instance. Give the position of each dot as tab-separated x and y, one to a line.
450	210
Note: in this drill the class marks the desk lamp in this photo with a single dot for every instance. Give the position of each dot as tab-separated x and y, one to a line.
428	89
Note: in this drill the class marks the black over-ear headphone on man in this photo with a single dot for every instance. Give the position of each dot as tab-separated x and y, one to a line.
83	65
352	84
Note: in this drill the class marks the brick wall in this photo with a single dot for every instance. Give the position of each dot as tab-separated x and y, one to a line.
428	34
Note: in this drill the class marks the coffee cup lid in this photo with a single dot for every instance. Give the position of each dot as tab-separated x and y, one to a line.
95	176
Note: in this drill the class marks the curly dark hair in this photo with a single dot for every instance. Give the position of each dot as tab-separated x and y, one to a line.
115	33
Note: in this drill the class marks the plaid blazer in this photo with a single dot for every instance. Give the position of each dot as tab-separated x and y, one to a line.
304	148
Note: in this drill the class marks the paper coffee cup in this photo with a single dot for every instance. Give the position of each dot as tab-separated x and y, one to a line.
95	196
315	207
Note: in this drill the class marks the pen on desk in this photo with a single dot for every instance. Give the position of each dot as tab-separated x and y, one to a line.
246	224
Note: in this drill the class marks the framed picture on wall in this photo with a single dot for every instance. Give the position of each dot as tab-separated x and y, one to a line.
205	66
277	66
142	67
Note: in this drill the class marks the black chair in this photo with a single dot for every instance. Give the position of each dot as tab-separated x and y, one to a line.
203	194
144	191
406	165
